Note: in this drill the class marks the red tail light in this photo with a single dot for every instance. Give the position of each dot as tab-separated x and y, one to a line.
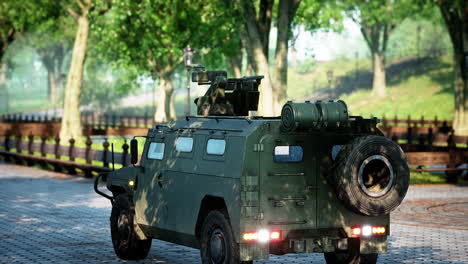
262	236
356	231
276	235
368	230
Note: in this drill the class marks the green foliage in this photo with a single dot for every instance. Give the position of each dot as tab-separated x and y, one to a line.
104	85
379	18
22	15
416	87
26	79
16	17
151	34
307	66
420	36
319	15
381	12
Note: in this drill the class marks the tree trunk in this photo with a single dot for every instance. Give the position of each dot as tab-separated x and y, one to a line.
378	82
248	51
235	63
460	118
260	60
173	114
71	120
293	53
53	87
455	15
264	24
164	100
3	88
280	71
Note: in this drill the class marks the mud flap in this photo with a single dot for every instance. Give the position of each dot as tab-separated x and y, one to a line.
253	251
373	245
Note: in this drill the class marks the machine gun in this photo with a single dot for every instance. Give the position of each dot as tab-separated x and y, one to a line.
226	97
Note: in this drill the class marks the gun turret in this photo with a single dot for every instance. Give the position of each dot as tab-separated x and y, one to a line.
226	97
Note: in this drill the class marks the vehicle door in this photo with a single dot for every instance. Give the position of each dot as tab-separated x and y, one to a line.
149	196
288	182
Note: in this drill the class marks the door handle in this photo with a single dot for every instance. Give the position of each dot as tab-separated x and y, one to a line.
160	180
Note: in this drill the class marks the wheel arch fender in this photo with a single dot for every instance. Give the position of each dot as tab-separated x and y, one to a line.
118	180
208	204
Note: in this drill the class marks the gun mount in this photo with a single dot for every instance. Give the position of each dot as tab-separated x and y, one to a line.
226	97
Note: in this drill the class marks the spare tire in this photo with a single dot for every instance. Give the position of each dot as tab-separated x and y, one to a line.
370	175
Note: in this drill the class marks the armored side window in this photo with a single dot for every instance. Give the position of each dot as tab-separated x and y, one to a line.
216	146
184	144
156	151
288	154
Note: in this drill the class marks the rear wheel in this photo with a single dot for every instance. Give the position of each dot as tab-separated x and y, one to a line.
351	256
218	245
370	175
124	239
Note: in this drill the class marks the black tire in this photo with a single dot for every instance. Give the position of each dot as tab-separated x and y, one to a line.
351	256
370	175
217	241
126	244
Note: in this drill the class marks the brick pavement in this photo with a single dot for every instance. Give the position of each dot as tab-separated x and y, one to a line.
47	217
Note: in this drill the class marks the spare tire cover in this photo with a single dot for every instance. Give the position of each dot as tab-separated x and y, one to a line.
370	175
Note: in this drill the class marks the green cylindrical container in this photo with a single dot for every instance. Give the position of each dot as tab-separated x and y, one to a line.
300	116
334	113
304	116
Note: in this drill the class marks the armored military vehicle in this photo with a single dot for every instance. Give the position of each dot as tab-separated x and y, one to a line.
239	187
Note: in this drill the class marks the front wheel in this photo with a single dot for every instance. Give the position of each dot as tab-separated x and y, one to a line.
218	245
124	239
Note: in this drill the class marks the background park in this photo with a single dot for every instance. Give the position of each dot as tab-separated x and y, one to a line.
80	78
92	69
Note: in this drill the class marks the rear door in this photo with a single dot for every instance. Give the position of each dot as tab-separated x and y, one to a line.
288	182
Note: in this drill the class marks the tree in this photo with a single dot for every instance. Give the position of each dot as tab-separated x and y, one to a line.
256	36
311	15
80	11
104	84
256	33
286	12
52	59
378	19
455	14
17	17
151	36
52	41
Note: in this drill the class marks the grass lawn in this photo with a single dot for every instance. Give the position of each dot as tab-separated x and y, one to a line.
415	87
427	178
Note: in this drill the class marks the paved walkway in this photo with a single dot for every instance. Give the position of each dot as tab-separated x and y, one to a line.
47	217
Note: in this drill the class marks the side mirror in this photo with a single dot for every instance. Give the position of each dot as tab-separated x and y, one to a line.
133	151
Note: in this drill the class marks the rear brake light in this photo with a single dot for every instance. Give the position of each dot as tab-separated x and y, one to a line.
250	236
263	236
356	231
367	230
275	235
